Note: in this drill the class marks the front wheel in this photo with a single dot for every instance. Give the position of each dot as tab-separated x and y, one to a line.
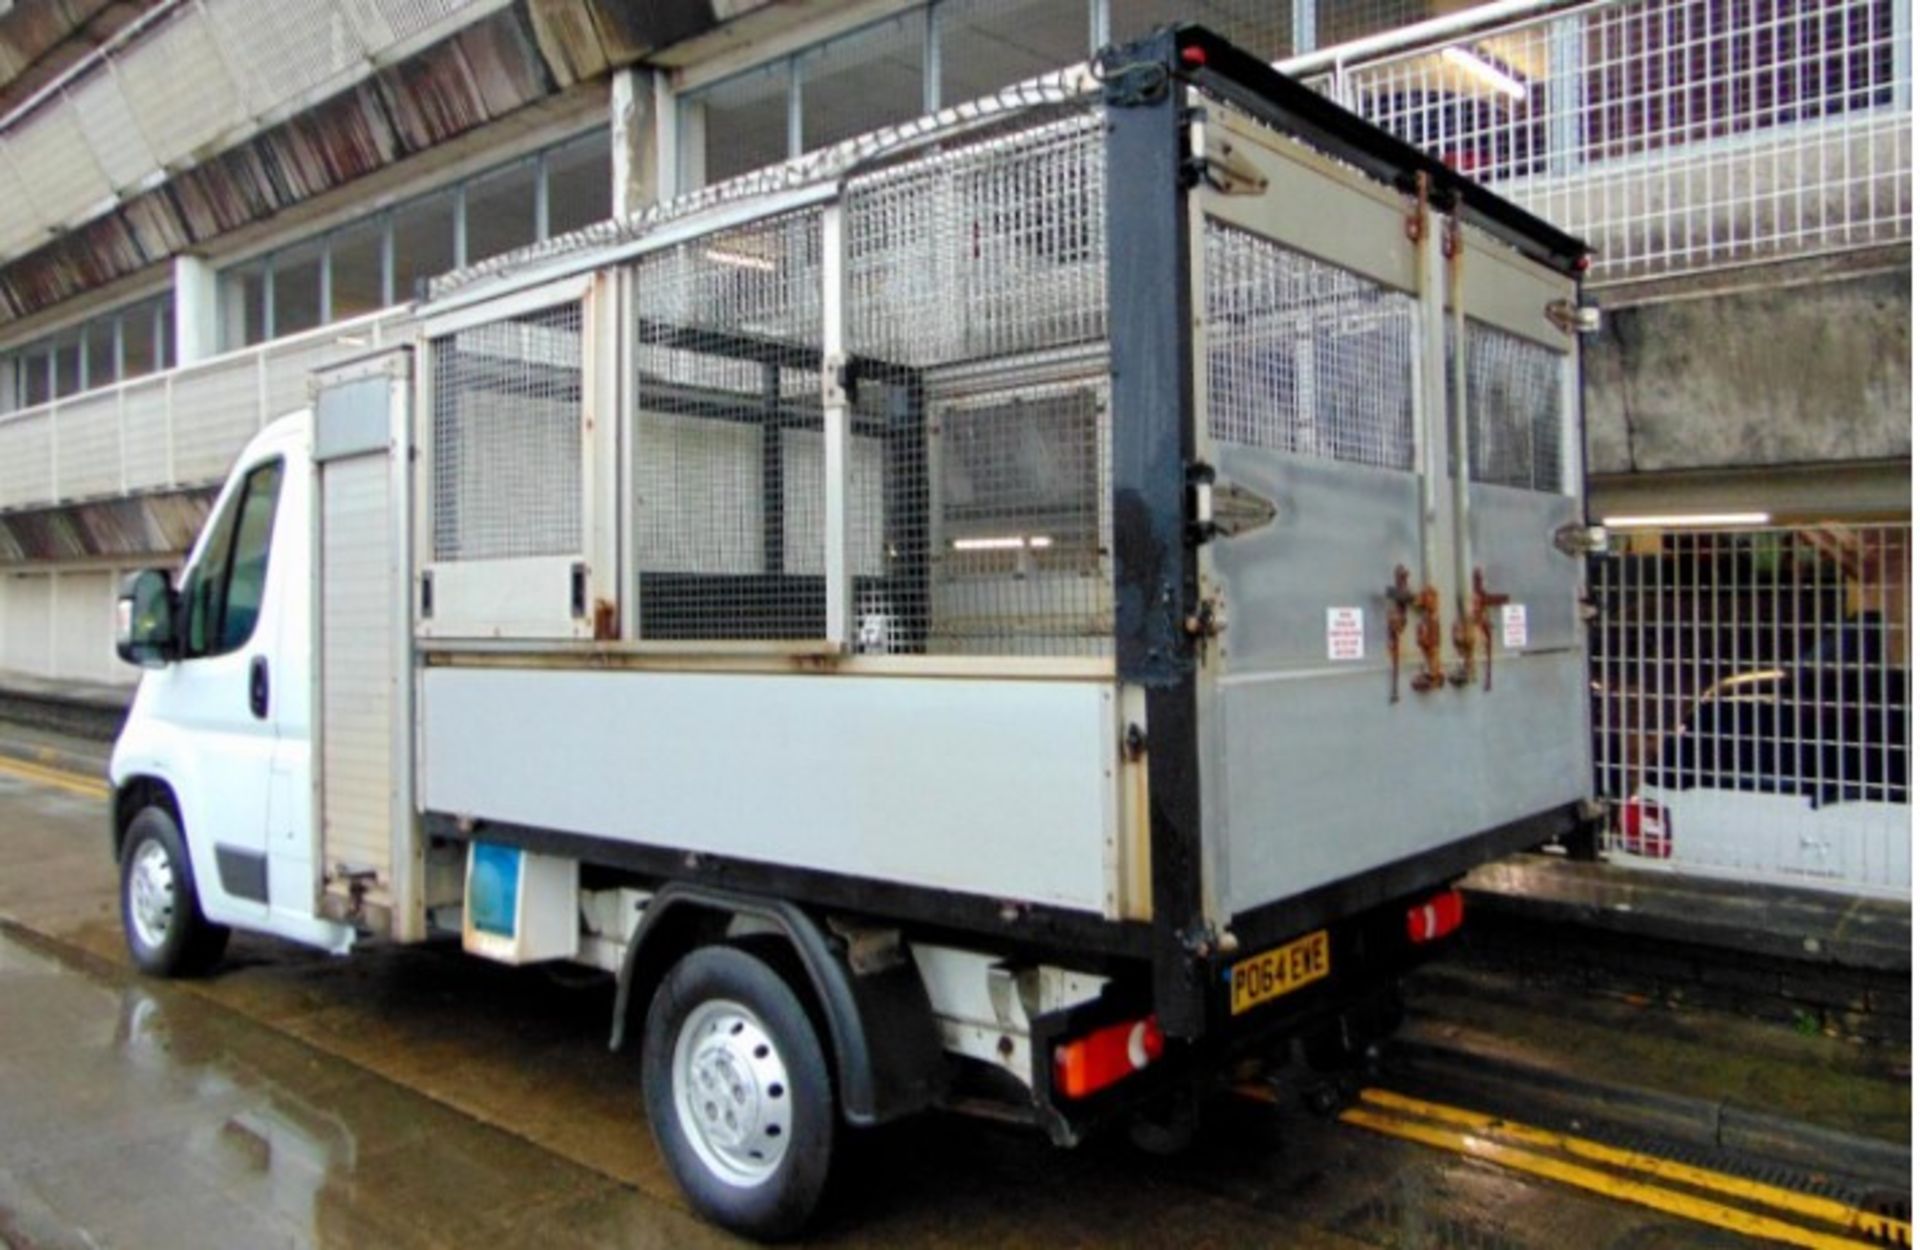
738	1093
167	935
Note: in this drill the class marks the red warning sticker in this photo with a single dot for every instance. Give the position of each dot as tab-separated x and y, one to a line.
1346	634
1513	626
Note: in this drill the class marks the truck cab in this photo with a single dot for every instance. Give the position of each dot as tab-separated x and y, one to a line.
218	739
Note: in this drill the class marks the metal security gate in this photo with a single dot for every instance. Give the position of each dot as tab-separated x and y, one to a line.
1751	703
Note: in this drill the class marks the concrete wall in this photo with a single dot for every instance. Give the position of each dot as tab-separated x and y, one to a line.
1778	376
58	624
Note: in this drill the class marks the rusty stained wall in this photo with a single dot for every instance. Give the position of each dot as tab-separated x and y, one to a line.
160	526
531	50
1808	374
485	71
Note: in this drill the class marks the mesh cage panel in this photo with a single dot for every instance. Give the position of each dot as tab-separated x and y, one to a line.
729	446
1752	703
506	438
1022	561
976	523
1514	410
1305	357
991	249
991	510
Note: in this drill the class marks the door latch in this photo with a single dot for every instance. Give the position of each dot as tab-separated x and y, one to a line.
1484	601
1400	598
1424	603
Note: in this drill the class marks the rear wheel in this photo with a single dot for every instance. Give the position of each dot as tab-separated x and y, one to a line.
738	1093
167	935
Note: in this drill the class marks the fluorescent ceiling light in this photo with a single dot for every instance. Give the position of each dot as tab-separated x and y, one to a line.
740	260
1687	521
1488	74
1012	542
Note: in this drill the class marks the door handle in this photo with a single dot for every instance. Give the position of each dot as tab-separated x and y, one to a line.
257	687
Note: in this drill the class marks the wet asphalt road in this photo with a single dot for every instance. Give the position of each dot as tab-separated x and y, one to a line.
420	1098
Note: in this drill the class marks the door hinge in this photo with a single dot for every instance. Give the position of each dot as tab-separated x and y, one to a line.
1574	540
1574	318
1227	170
1130	84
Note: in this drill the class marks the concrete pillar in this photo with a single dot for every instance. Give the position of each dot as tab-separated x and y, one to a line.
1306	26
196	310
690	146
636	142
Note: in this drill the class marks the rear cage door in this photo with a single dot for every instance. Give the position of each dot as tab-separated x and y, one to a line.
1335	406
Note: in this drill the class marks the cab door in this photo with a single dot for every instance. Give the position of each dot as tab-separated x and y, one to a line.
220	696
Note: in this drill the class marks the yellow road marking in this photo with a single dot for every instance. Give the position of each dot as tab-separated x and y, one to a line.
60	779
1846	1216
1620	1188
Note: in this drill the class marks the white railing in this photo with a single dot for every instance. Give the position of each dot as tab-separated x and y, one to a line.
1675	136
1752	704
189	78
167	430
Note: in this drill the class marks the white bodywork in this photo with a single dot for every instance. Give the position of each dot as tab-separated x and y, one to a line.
1857	846
244	783
996	787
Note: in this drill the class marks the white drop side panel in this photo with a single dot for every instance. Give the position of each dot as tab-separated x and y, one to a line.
357	604
995	787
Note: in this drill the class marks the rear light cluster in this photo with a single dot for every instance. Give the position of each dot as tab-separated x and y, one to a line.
1089	1064
1646	829
1434	919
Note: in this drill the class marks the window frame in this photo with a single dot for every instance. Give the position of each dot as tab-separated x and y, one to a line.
199	586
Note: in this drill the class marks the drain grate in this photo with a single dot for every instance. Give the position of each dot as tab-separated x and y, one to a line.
1897	1209
1400	1223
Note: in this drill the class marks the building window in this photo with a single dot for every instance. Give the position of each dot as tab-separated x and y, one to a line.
862	81
735	126
424	237
502	210
243	312
358	261
298	280
115	346
579	180
988	44
384	259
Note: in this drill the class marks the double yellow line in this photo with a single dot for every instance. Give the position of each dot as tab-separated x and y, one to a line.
59	778
1689	1192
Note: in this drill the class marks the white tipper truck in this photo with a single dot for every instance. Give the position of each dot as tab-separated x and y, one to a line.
1010	613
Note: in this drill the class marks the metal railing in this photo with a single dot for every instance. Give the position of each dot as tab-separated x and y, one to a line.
1752	704
166	430
188	78
1675	136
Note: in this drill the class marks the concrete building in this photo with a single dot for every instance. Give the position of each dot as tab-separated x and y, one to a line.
199	200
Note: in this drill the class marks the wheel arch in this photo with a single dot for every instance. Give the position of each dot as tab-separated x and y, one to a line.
130	797
883	1044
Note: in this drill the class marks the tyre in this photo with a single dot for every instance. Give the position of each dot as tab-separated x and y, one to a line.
167	935
738	1093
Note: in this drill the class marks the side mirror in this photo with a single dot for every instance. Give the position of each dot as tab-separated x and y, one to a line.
145	632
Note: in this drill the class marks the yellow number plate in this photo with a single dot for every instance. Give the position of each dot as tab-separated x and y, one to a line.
1280	971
